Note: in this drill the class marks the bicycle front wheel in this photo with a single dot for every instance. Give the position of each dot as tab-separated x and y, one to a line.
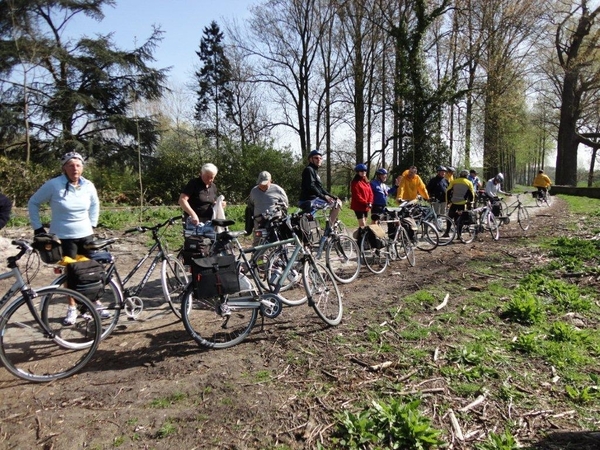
446	229
404	247
322	291
466	232
217	322
29	352
291	287
173	279
376	259
427	237
523	218
493	225
343	258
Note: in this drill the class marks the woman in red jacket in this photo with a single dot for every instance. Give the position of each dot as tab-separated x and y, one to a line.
362	195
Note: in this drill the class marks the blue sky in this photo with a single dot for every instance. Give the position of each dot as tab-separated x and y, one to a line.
181	20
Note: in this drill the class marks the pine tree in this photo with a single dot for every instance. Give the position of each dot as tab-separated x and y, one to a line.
214	77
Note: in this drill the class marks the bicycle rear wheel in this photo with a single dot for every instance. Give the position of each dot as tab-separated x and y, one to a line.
343	258
466	232
173	279
28	352
292	290
322	291
376	259
523	218
426	237
217	322
446	229
493	225
404	247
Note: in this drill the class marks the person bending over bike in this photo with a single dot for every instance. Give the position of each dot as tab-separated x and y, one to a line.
460	193
493	187
312	193
542	182
263	197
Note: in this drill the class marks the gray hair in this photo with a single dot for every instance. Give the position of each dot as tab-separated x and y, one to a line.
209	167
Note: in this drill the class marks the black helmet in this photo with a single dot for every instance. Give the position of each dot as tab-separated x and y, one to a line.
451	169
314	153
463	174
441	168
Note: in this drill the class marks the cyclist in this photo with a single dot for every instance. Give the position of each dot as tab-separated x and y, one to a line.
542	182
473	178
437	187
493	187
381	191
75	208
312	193
450	173
199	196
361	200
460	193
411	186
264	196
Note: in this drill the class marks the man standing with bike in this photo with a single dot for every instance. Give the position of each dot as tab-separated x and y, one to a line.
436	188
263	197
312	193
459	193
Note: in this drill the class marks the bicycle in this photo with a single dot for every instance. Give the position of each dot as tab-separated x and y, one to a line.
443	224
117	296
426	237
222	321
541	196
34	343
470	223
522	213
395	245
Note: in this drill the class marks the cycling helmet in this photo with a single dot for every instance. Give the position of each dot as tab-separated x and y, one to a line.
360	168
69	156
381	171
441	168
499	178
314	153
451	169
463	174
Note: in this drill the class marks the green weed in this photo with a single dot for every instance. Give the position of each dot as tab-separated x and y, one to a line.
165	402
524	308
168	428
504	441
387	424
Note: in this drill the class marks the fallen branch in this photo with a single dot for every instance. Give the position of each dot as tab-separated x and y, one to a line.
443	304
456	425
383	365
475	402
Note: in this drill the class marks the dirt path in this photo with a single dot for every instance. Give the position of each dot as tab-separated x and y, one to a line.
150	386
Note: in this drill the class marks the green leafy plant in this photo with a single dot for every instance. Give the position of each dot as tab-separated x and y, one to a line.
524	308
526	343
168	428
504	441
388	424
563	332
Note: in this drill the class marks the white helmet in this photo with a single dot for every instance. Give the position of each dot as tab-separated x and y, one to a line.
69	156
499	178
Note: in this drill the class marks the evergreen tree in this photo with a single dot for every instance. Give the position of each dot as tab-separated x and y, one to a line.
214	77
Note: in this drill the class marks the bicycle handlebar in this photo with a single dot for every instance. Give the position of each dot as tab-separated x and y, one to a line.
143	228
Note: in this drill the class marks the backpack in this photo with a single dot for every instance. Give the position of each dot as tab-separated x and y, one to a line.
87	278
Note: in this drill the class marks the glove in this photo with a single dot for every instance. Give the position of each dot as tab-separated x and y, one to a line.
40	230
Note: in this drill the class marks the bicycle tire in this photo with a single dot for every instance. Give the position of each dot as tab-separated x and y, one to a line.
492	225
445	224
112	301
322	291
427	237
407	247
376	259
206	324
539	201
30	354
466	232
173	279
292	290
342	256
523	218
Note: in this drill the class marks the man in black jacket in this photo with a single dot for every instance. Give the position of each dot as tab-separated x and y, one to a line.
437	190
312	194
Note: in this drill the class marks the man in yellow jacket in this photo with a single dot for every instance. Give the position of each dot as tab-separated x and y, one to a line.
411	185
542	181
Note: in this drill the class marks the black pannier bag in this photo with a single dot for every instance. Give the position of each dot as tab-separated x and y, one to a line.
376	236
87	278
195	247
215	276
48	246
468	218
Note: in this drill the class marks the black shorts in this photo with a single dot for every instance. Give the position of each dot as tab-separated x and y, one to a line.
74	247
361	214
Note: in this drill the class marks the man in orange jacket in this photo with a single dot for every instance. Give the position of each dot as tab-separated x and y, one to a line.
411	185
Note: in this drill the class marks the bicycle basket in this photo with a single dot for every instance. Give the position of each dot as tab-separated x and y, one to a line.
215	276
49	247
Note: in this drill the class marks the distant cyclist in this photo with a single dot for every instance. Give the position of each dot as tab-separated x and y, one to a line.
542	182
493	187
381	191
459	194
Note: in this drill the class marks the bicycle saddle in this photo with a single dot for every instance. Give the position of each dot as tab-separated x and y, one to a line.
99	244
222	222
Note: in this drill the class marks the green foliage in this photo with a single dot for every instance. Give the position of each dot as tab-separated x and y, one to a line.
526	343
471	353
168	428
563	332
19	181
504	441
559	295
390	424
585	394
573	247
524	308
